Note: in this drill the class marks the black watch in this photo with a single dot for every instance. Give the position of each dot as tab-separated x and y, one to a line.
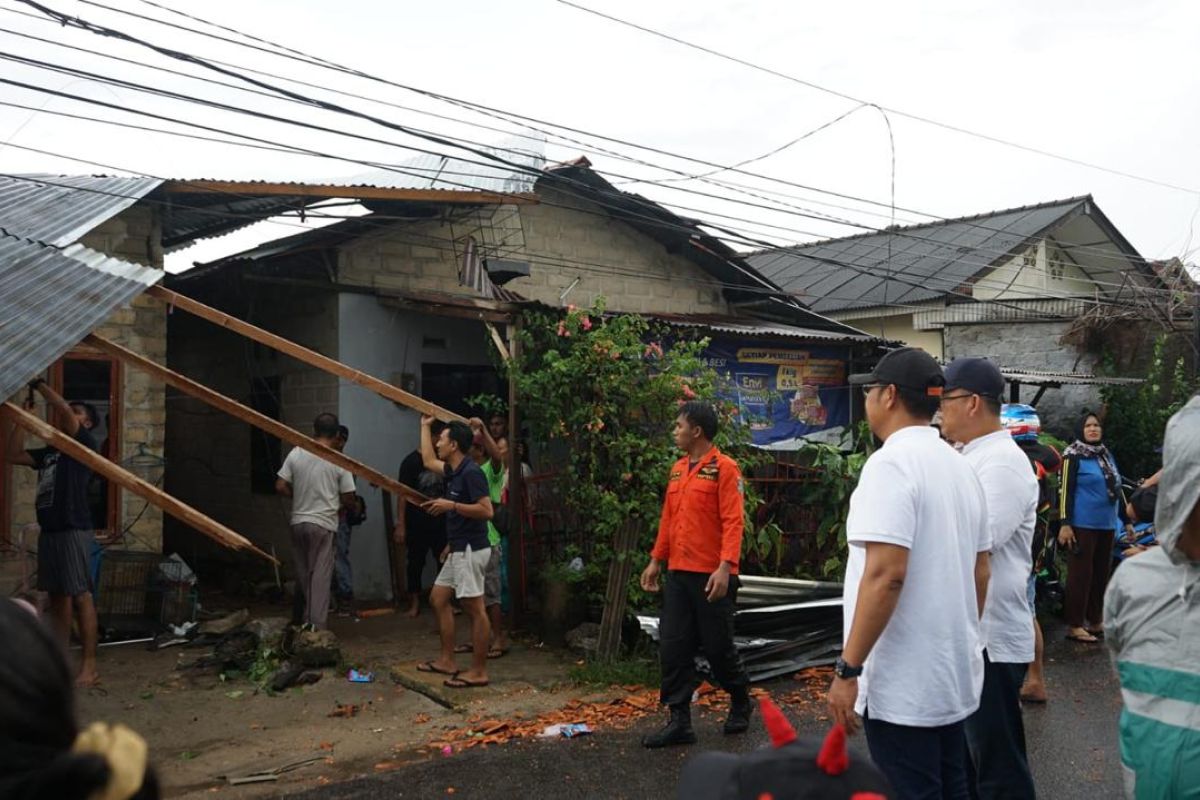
844	670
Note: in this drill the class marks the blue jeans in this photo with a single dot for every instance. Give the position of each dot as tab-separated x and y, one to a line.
343	581
920	763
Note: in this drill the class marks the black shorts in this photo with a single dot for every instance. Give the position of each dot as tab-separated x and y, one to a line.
63	562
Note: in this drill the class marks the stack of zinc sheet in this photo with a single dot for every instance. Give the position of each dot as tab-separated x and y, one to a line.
781	625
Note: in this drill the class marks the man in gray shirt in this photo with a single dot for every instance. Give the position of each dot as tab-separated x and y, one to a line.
318	489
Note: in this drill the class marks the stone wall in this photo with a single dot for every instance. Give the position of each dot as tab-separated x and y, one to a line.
563	238
133	235
1033	346
210	451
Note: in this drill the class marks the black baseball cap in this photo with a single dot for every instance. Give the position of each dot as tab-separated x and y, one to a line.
978	376
909	368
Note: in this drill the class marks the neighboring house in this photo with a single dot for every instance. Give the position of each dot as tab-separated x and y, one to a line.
406	293
1008	284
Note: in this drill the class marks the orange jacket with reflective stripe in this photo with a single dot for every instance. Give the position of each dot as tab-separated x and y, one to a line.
702	516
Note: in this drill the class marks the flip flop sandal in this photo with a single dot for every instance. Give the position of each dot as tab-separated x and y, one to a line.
429	666
496	652
464	648
1086	639
463	683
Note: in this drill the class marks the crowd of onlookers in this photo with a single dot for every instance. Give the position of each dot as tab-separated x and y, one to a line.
953	529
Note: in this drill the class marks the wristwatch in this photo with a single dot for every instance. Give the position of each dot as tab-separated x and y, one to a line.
844	670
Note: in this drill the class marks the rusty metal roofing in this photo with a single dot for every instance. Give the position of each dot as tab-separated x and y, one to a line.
1055	379
52	297
753	328
60	209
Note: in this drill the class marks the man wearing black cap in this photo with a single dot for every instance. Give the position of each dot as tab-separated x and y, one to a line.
995	733
915	583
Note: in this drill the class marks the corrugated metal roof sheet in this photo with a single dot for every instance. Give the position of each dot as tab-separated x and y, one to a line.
447	172
752	328
1042	378
51	298
60	209
906	265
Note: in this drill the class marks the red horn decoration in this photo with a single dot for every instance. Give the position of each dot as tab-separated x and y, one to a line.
778	727
833	758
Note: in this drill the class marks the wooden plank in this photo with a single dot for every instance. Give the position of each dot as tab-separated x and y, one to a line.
499	342
252	417
300	353
249	189
130	482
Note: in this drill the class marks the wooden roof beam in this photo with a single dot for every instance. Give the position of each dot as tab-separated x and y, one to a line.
130	482
252	417
301	353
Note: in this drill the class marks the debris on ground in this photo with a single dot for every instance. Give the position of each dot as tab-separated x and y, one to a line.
354	676
585	638
292	673
565	731
227	623
269	630
345	710
317	648
269	775
368	613
781	626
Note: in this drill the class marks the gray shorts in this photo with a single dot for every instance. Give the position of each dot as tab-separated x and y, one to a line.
491	578
63	562
464	572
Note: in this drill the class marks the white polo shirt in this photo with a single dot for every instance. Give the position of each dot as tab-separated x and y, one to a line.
926	669
1012	496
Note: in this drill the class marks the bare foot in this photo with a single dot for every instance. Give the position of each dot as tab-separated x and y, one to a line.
413	611
87	678
1033	693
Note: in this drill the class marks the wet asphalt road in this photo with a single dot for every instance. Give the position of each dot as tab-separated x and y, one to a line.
1072	745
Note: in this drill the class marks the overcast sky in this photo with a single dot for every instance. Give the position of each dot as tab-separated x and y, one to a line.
1112	83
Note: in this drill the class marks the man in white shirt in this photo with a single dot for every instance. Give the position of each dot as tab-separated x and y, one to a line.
995	733
318	490
915	585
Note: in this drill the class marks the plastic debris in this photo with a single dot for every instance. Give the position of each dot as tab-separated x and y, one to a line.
567	730
354	676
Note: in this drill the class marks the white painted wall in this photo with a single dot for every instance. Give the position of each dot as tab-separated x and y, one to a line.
382	342
1029	276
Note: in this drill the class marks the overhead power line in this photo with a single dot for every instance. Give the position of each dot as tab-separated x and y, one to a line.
898	112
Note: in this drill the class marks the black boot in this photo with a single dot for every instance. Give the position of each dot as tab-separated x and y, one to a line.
740	709
677	731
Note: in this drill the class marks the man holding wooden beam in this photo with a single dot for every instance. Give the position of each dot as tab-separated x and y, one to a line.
64	517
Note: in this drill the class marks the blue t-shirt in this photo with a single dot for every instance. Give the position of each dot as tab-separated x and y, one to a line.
466	484
1092	508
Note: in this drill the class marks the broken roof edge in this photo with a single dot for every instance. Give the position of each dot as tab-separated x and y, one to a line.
347	191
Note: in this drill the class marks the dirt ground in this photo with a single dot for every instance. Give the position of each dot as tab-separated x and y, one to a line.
202	729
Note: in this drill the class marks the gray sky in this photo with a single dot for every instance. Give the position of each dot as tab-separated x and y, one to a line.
1106	82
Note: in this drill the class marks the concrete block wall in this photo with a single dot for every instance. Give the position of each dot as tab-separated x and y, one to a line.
210	451
1032	346
133	235
563	238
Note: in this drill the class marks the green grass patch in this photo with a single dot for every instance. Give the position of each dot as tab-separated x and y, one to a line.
625	671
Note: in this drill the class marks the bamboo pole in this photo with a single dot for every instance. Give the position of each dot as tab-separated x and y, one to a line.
301	353
130	482
252	417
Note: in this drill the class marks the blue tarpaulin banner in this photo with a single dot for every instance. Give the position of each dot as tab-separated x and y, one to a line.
783	392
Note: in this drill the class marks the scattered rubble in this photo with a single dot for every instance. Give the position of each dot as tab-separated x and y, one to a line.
269	630
585	638
226	624
317	648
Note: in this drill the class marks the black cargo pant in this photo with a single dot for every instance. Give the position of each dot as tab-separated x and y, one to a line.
691	626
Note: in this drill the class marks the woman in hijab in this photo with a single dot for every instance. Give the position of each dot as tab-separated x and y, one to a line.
1089	499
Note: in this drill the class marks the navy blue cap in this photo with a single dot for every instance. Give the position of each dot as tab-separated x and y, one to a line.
978	376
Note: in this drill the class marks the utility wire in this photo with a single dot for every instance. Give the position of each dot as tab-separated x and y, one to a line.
509	117
898	112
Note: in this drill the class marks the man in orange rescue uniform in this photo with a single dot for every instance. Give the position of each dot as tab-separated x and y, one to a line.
700	540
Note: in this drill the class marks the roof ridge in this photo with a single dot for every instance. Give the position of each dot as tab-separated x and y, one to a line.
918	226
